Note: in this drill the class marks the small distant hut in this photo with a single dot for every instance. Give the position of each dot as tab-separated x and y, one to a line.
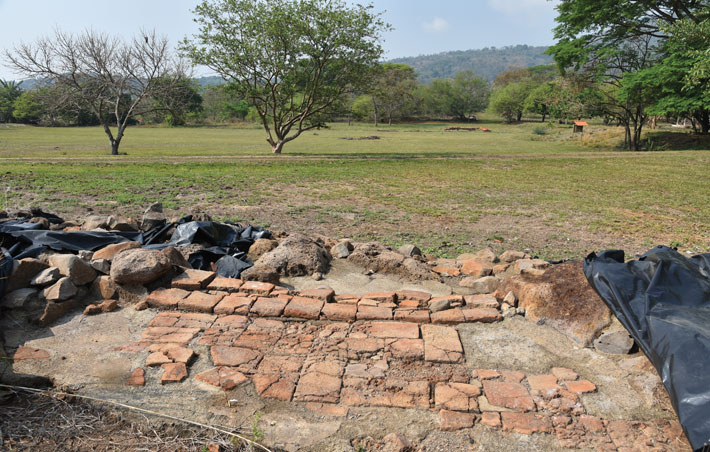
579	126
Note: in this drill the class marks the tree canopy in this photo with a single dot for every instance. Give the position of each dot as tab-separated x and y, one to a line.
293	60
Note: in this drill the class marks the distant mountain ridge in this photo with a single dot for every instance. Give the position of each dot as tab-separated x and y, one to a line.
487	62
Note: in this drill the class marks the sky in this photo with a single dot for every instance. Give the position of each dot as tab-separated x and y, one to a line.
420	26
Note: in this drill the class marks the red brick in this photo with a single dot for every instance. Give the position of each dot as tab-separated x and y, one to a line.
441	344
157	359
509	395
382	297
483	315
491	419
581	386
485	374
268	307
409	349
192	279
233	303
481	301
234	356
166	298
256	287
395	330
320	382
328	409
304	308
25	352
137	378
512	376
275	386
448	317
224	377
109	251
373	313
173	373
412	315
454	300
453	420
199	302
326	295
225	284
339	312
409	304
546	384
231	322
415	295
526	423
170	335
456	396
591	423
564	373
195	320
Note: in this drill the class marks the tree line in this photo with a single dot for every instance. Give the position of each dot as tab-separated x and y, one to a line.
293	65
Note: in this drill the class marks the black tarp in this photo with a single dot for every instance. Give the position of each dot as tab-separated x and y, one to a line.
223	244
663	300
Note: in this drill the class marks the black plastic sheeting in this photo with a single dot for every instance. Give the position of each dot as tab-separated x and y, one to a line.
663	300
225	244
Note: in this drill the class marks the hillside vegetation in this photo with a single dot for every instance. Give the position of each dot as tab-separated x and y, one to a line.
487	63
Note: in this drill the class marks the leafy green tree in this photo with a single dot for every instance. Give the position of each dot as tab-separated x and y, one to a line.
509	100
393	91
608	41
362	108
673	90
9	92
436	100
293	60
470	95
27	108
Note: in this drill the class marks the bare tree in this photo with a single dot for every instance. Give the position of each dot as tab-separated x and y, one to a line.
116	80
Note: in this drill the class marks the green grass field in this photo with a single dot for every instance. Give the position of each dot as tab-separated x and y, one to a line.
449	192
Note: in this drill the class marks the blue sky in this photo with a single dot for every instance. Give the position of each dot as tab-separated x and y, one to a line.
420	26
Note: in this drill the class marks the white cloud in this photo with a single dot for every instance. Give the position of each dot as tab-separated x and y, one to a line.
438	25
519	7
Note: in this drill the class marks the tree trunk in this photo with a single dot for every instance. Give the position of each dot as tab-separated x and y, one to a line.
115	142
374	107
627	136
276	149
543	116
520	115
704	122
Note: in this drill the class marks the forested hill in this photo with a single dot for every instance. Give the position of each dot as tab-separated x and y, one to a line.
487	63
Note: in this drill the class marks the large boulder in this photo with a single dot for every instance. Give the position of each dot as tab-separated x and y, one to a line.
62	290
297	255
563	299
139	266
380	258
72	266
153	216
109	251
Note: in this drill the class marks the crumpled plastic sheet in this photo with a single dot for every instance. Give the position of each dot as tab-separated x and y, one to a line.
663	300
225	244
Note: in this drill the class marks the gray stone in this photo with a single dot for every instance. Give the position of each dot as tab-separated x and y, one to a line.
85	255
17	299
487	284
510	298
440	305
382	259
512	256
46	277
101	265
139	266
176	258
122	224
152	217
409	250
614	343
297	255
23	271
261	273
70	265
95	222
62	290
340	250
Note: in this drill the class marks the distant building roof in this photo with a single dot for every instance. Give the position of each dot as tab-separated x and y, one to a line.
581	123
